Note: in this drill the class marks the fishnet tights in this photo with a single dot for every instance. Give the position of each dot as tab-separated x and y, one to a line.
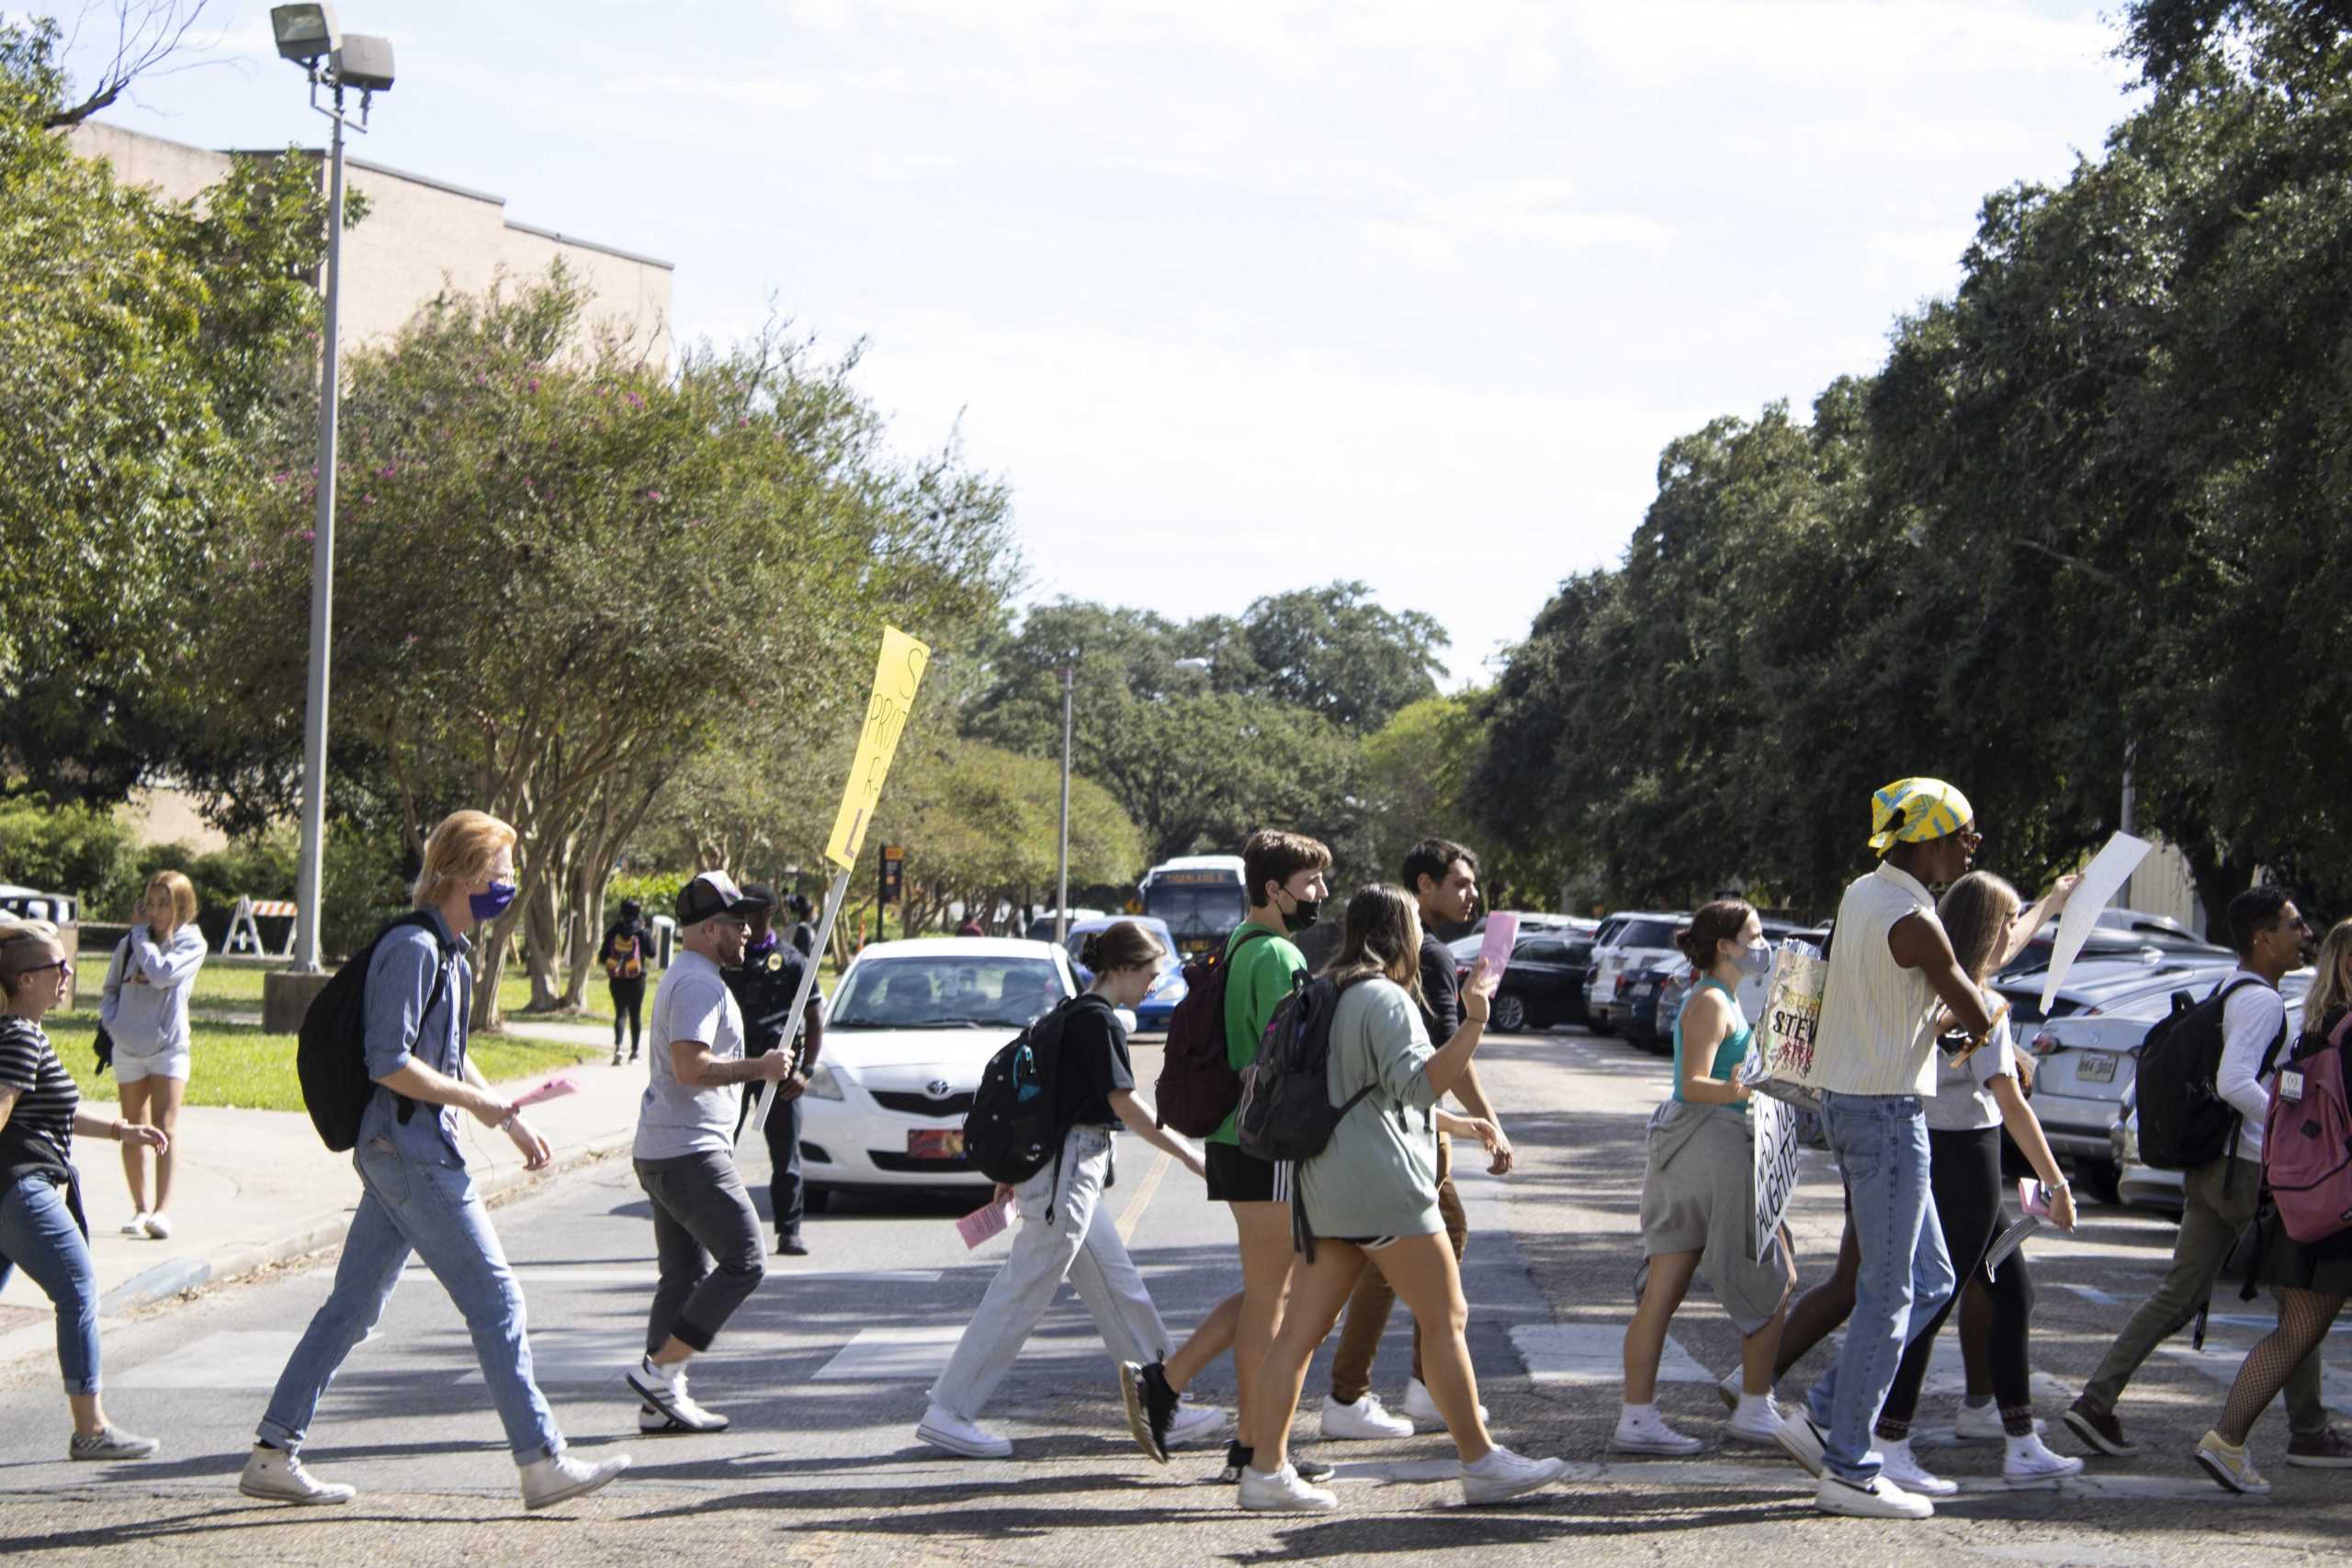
2304	1317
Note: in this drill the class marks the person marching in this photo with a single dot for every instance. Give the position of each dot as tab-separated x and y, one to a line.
1698	1201
627	955
145	1009
684	1153
1442	876
1371	1197
1067	1231
417	1196
42	1228
1974	1099
1891	970
2310	1279
764	985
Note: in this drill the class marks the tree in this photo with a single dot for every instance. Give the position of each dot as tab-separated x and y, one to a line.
1334	651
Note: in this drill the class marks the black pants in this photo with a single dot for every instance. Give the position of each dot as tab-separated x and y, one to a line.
1964	1172
706	1240
629	1008
786	1202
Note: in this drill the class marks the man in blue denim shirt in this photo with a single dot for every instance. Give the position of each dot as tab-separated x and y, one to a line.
417	1196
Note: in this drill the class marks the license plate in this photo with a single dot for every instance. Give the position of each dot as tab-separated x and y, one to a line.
936	1142
2095	1069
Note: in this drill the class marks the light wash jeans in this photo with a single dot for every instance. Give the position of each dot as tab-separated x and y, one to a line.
432	1210
38	1235
1881	1140
1080	1245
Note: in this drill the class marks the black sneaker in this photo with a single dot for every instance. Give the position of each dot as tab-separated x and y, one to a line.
790	1245
1151	1403
1236	1460
2099	1428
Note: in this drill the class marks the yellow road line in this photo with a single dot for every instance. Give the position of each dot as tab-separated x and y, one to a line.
1137	1204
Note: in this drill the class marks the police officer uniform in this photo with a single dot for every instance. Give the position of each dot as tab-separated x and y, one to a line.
764	985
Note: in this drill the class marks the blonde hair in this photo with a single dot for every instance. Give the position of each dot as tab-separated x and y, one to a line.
1976	911
462	848
16	937
2328	992
183	894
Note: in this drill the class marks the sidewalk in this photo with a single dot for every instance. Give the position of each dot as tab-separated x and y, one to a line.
256	1188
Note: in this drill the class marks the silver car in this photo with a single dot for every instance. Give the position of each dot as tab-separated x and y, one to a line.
2144	1185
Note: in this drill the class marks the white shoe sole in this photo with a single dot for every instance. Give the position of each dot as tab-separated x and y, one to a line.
301	1499
602	1477
1847	1502
1322	1503
1337	1433
1001	1449
1480	1492
2038	1480
1761	1437
2220	1472
1928	1486
1682	1450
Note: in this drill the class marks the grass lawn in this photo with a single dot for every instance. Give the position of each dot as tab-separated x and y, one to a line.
234	985
236	1063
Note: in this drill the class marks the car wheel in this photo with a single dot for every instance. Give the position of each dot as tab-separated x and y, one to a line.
1511	1014
816	1199
2098	1178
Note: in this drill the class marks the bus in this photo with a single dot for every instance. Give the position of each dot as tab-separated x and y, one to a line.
1201	898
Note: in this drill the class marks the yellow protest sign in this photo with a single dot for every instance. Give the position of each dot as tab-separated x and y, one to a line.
895	679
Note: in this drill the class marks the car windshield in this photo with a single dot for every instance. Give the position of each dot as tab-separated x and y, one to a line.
944	992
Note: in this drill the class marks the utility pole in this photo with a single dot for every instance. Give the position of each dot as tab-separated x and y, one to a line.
1061	902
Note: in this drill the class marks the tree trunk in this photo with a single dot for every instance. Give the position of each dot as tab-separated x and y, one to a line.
541	935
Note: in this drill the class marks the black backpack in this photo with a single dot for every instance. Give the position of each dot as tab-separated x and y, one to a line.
1014	1125
331	1056
2184	1121
1198	1088
1286	1110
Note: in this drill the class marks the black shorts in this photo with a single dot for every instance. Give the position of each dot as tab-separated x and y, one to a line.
1239	1178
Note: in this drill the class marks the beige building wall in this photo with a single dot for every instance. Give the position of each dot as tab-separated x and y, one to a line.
422	236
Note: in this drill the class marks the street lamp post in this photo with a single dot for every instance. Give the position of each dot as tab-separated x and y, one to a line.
308	36
1061	899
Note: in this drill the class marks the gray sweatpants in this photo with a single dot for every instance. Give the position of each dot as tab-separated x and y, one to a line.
1082	1244
706	1241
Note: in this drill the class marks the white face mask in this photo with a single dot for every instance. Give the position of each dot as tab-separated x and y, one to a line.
1755	960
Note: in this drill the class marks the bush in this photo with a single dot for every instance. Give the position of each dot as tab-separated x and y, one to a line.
657	890
364	888
79	849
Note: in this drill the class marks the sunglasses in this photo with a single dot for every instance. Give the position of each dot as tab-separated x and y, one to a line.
61	966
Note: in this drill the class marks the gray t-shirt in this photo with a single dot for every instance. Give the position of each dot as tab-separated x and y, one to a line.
672	1119
1964	1101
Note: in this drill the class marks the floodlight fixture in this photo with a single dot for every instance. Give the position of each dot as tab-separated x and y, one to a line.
305	33
364	62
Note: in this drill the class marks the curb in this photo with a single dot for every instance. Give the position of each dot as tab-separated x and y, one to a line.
168	1279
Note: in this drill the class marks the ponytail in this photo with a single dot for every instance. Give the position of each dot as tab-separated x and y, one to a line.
1121	945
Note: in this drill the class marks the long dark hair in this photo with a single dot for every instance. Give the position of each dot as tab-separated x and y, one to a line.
1123	945
1382	939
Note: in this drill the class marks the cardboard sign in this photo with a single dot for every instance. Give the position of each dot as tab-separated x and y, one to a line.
1775	1181
1783	1063
896	678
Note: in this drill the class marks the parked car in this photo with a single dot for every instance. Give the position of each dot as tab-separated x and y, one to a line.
2095	981
1680	980
2144	1185
1151	1014
1543	984
1625	942
1041	927
906	1032
1643	1021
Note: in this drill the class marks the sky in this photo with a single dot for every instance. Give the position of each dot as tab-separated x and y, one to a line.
1242	296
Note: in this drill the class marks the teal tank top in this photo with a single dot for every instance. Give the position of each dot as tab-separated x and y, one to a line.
1728	1056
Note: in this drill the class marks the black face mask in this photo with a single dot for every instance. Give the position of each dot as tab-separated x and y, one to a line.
1303	913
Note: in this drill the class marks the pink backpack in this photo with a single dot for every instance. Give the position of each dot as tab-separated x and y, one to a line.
2307	1142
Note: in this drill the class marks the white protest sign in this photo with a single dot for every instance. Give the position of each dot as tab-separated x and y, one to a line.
1775	1122
2103	880
1783	1061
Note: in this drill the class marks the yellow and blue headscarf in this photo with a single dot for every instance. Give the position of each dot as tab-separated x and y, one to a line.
1912	811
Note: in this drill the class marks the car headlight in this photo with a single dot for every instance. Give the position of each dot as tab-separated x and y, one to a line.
823	1085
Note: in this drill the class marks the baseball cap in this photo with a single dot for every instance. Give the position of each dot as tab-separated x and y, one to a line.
760	893
713	893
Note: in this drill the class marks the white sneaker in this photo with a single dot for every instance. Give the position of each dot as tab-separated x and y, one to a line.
1645	1432
1192	1422
1502	1475
1760	1426
1365	1419
547	1482
1283	1492
2029	1462
1982	1423
1882	1499
136	1225
1898	1464
1801	1439
944	1429
276	1476
664	1389
159	1227
1422	1408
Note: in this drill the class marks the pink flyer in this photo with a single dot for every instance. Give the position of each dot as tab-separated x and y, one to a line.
1502	935
983	1223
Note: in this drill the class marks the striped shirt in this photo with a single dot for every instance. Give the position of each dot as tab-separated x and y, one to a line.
39	1138
1878	1020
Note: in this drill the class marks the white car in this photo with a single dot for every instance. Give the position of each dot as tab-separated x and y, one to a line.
907	1033
1626	942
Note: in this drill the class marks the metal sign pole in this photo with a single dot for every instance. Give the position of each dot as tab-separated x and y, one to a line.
834	901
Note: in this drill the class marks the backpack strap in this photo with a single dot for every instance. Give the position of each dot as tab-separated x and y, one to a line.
404	1109
2223	993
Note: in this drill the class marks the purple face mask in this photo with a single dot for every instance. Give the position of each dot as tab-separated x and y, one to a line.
487	906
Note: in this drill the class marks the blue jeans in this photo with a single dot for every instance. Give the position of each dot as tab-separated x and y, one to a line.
414	1205
38	1235
1881	1140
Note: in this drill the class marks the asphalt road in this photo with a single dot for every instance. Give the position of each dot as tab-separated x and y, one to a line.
824	1373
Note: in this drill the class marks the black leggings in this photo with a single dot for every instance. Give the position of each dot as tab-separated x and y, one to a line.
1964	1172
629	1008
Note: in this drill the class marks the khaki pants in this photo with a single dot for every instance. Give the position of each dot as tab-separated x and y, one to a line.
2220	1200
1368	1308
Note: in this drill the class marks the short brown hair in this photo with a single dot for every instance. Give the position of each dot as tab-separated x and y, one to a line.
460	849
1272	855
